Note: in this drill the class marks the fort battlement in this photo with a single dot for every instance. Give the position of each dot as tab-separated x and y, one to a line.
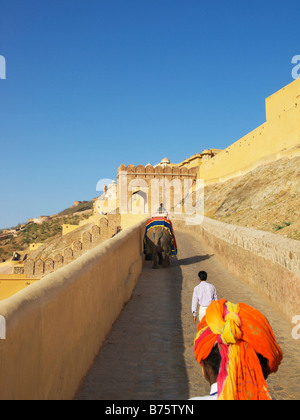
158	171
38	267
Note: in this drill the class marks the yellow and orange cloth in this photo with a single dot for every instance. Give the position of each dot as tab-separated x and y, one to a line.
241	333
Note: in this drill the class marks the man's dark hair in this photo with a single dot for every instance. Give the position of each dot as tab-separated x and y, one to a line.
264	363
202	275
214	360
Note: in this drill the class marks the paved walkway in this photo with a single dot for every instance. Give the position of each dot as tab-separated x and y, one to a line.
149	353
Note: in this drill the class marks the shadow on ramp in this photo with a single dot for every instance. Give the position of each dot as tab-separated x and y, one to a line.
195	259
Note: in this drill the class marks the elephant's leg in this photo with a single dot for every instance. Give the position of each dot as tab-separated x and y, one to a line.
160	253
155	258
167	247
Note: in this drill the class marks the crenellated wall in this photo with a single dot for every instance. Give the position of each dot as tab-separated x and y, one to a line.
38	267
55	327
158	171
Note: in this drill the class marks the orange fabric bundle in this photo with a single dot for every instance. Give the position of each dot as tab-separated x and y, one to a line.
241	332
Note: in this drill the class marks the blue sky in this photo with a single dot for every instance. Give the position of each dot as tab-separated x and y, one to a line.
91	84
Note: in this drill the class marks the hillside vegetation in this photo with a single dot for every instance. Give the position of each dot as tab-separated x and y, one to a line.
40	233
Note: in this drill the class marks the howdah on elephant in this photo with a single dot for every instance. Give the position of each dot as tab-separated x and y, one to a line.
158	244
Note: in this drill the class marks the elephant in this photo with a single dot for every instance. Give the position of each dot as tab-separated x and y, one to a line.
158	244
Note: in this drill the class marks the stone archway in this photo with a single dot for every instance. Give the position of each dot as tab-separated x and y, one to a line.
138	203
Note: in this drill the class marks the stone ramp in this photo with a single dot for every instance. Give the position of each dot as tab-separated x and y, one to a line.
142	357
149	353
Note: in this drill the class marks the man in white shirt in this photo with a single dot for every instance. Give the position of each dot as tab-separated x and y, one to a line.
203	295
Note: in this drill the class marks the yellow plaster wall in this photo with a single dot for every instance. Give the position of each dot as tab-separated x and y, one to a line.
270	141
283	100
33	247
13	283
128	220
66	228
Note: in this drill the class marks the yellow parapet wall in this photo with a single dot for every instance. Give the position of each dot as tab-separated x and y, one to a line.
279	136
56	327
283	100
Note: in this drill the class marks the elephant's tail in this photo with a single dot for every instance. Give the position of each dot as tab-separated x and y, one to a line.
157	237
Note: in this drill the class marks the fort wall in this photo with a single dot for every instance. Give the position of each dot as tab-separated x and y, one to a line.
56	327
279	136
269	263
38	267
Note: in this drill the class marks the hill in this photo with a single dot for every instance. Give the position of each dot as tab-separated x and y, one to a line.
267	198
19	239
